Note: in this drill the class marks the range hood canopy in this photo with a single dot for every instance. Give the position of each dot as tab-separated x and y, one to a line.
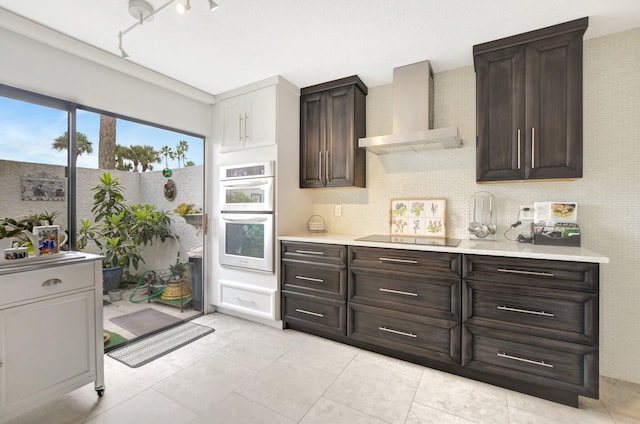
413	115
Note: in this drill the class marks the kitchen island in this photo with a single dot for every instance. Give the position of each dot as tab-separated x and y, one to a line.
51	341
520	316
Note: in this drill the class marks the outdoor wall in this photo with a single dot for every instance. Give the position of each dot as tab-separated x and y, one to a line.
140	188
607	202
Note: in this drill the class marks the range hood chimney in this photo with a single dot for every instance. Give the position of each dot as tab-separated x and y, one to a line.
413	115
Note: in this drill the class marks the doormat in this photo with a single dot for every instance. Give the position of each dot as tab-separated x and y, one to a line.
114	341
145	321
145	350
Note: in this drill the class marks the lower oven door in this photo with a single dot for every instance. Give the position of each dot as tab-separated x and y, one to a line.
246	240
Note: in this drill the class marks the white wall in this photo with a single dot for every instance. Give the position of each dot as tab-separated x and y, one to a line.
608	196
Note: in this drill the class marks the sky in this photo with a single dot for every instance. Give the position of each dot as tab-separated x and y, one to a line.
27	132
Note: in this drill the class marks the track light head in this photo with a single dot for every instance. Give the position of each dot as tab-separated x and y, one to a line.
183	8
213	5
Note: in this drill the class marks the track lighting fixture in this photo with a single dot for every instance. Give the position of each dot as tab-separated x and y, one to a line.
143	11
183	8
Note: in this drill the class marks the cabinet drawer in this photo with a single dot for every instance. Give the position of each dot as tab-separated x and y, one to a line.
532	272
413	261
322	314
559	314
247	299
45	282
419	294
315	279
532	360
430	338
314	252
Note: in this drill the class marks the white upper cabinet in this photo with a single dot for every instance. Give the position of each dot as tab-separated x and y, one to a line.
248	120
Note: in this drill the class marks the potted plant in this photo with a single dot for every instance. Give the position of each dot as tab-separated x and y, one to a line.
119	230
190	214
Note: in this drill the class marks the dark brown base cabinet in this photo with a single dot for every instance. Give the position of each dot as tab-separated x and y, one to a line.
529	325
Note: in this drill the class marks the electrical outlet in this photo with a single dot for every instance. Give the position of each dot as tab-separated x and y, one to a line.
338	210
526	215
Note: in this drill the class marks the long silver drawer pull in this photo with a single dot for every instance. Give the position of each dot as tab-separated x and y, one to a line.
241	300
518	148
315	280
402	333
525	311
528	361
310	252
398	292
516	271
51	282
400	261
315	314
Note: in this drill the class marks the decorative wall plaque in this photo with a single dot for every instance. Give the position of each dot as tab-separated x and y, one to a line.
42	186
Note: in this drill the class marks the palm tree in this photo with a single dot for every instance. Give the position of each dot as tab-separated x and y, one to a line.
181	151
149	157
107	143
83	145
123	153
144	156
167	152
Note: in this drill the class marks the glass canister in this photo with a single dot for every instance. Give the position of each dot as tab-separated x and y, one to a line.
483	216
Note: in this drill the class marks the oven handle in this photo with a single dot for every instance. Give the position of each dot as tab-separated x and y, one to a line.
257	183
244	219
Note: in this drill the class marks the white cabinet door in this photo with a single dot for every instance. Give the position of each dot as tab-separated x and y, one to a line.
248	120
260	106
233	123
45	347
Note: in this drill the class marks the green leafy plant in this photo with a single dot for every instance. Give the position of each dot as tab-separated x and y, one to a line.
120	230
186	209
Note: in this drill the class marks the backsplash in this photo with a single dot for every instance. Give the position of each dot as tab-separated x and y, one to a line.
607	204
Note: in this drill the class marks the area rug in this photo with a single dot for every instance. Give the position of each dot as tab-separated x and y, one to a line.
145	321
115	340
145	350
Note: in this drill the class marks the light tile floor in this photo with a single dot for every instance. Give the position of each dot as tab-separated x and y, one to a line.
248	373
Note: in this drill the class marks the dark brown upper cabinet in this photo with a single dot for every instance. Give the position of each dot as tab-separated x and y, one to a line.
529	105
332	119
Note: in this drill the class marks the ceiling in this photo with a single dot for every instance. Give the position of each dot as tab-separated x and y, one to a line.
312	41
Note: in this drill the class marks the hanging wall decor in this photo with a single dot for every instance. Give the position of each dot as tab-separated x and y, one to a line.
42	186
170	190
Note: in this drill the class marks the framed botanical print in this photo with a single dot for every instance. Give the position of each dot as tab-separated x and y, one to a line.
418	217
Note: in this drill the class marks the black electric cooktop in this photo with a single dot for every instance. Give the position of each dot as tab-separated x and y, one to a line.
386	238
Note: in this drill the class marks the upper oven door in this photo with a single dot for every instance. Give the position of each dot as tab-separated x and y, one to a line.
252	194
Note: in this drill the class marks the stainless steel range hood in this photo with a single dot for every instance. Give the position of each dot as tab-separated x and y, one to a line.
413	115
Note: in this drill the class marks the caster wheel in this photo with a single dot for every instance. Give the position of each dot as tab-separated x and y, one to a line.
100	392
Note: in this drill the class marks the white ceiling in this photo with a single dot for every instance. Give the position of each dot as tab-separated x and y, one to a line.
312	41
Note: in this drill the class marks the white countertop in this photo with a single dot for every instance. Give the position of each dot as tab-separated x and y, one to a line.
475	247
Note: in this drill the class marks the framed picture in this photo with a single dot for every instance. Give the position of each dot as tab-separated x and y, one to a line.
418	217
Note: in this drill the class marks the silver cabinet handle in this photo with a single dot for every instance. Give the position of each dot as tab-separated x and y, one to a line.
224	218
515	271
1	364
533	147
402	333
519	148
315	314
400	261
51	282
326	165
249	302
404	293
246	135
526	311
252	183
315	280
310	252
528	361
239	127
319	166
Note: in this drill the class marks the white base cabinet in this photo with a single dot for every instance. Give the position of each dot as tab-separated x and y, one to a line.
51	332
